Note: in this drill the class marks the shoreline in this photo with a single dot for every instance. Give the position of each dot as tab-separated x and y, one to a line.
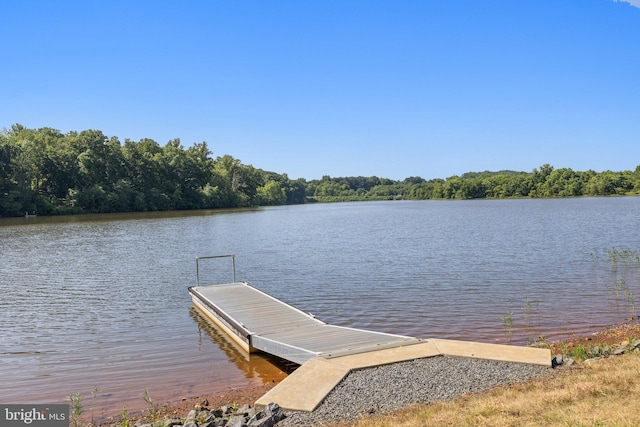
613	335
179	409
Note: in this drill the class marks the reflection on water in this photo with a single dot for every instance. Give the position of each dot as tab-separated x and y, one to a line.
264	366
102	301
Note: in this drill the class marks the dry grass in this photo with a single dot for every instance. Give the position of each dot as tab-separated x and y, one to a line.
606	393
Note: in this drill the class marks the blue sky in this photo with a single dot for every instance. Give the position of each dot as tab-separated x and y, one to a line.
341	88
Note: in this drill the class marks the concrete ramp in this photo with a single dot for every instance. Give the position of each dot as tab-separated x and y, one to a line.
308	385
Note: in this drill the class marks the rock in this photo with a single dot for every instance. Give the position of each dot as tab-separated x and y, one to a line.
620	349
264	422
251	412
237	421
225	416
204	417
570	361
191	416
556	361
257	417
246	410
592	361
268	417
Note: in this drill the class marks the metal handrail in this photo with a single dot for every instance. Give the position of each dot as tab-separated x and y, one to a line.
233	266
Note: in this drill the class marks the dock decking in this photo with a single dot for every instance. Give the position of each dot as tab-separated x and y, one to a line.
258	321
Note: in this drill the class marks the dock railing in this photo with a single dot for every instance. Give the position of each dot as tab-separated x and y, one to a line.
233	266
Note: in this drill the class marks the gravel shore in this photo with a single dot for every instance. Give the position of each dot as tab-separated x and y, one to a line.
385	388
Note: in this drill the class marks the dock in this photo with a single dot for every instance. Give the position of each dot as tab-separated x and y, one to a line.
259	322
327	353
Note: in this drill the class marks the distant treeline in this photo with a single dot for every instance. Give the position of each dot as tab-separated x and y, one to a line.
543	182
47	172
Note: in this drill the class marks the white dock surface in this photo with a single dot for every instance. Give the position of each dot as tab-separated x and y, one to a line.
280	329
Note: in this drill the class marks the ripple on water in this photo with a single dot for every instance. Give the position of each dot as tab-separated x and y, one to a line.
102	300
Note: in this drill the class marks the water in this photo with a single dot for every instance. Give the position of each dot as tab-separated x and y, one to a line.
101	301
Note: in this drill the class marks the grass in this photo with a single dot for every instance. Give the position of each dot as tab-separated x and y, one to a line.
528	307
153	409
601	394
507	322
581	352
527	310
619	286
77	409
124	421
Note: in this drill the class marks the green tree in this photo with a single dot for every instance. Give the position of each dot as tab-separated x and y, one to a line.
271	193
236	184
143	172
610	183
296	191
560	182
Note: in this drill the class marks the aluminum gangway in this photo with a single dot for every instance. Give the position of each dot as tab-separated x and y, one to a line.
260	322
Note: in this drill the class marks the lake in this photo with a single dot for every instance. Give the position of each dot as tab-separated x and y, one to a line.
101	300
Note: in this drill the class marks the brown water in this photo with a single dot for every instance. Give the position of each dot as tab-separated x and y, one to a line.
101	301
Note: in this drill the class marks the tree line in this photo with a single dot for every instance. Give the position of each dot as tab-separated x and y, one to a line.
48	172
543	182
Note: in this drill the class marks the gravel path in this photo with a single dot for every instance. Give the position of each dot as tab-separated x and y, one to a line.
428	380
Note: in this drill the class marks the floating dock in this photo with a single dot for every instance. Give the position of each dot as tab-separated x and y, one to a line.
259	322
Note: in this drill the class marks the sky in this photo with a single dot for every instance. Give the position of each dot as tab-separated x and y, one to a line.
310	88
